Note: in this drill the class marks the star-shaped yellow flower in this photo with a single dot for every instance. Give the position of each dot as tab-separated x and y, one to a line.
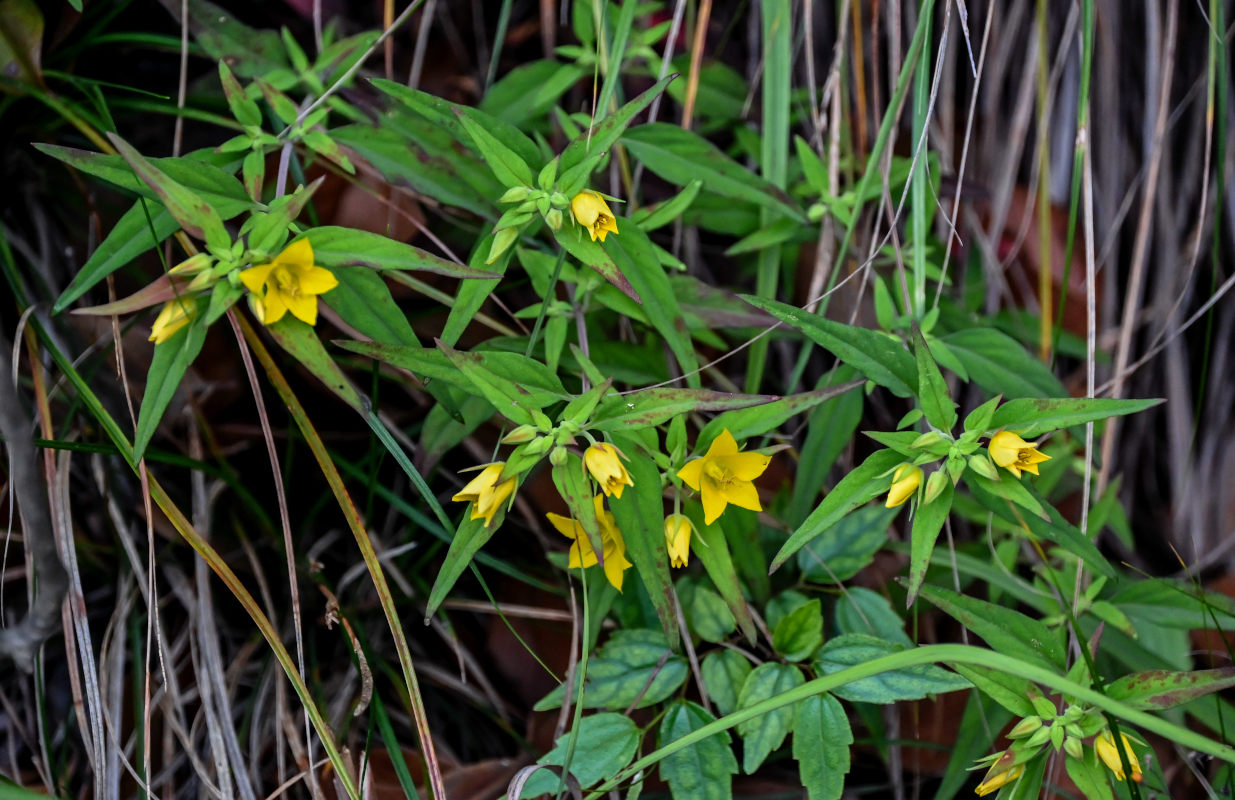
592	212
905	482
602	460
486	494
677	538
291	282
1014	453
175	315
1109	753
724	476
581	552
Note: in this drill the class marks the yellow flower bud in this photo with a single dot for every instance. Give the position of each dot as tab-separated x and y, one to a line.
905	482
1014	453
486	494
191	265
175	315
601	459
678	530
592	212
1108	751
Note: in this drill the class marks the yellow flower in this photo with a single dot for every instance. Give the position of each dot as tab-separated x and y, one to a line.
677	538
905	482
999	775
1014	453
581	552
291	282
1109	753
603	462
592	212
724	476
175	315
486	494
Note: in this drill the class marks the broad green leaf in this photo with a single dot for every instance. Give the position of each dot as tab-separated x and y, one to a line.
140	230
505	163
713	551
1001	365
861	610
642	409
195	215
348	247
594	255
875	355
758	420
584	154
469	538
799	634
821	740
859	486
764	733
1090	776
910	683
363	300
301	341
604	744
639	514
706	614
782	605
632	664
1159	689
848	547
171	360
933	394
703	771
1006	630
528	91
928	519
724	673
1032	417
681	156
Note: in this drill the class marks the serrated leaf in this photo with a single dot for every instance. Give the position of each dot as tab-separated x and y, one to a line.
764	733
910	683
859	486
800	633
604	744
873	354
846	548
706	614
724	673
632	664
703	771
861	610
821	740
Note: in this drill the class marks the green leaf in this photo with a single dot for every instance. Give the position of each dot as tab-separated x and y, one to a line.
140	230
1006	630
681	156
861	610
505	163
821	740
529	90
604	744
875	355
171	360
758	420
1174	604
242	107
724	673
713	551
1001	365
1159	689
910	683
472	295
334	246
1008	487
194	214
1032	417
859	486
846	548
639	514
593	254
1089	775
469	538
933	393
511	396
829	432
643	409
928	520
657	215
301	341
707	616
703	771
632	664
764	733
775	234
363	300
799	634
1007	690
584	154
249	51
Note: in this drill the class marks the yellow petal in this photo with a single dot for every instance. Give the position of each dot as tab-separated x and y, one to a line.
275	307
692	473
714	501
565	525
745	466
299	252
254	278
302	306
743	494
723	445
483	480
316	280
615	567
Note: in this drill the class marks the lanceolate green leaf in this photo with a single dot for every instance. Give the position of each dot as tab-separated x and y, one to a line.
363	300
1158	689
505	163
821	740
928	519
334	246
469	538
1001	365
195	215
713	551
572	238
1032	417
142	227
758	420
933	394
171	360
1006	630
856	488
873	354
301	341
649	407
